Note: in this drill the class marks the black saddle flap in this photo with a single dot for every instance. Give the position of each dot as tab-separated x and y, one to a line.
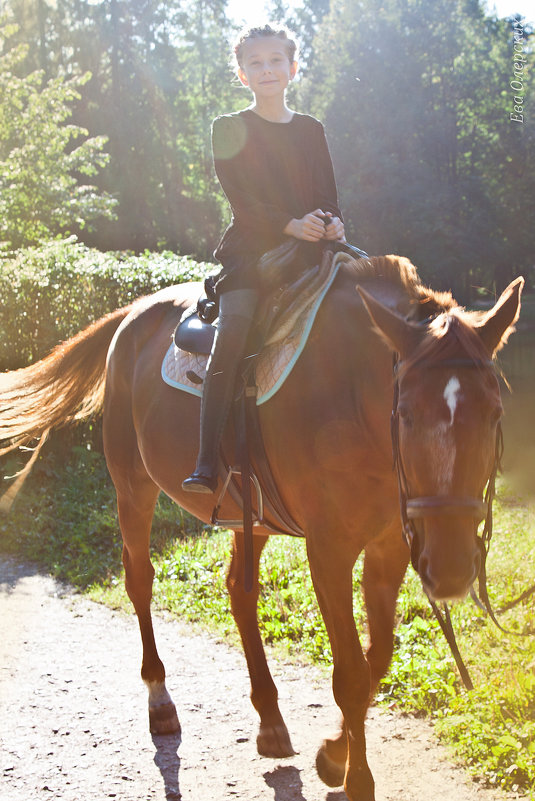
194	335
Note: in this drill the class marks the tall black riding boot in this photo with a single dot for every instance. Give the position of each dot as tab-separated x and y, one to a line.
218	388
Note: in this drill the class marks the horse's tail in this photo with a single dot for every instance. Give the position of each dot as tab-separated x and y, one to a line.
64	387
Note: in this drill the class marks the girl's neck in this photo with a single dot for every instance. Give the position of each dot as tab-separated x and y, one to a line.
272	110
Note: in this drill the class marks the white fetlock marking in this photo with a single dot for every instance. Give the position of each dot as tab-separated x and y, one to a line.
158	695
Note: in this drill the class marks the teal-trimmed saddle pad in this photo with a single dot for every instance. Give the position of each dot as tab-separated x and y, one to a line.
274	364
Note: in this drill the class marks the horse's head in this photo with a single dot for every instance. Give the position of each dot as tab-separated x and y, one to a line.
445	427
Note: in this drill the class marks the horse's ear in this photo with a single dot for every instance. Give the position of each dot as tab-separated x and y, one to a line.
400	334
497	324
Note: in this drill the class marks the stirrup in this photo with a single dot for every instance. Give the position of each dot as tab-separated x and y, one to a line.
197	482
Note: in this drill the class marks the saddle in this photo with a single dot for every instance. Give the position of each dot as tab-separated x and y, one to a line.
287	287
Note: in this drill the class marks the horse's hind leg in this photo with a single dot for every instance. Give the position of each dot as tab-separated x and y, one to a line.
135	517
136	498
273	739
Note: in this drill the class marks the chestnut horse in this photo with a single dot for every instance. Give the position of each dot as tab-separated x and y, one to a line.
328	440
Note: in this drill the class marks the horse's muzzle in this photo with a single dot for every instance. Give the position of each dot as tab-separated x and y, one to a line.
444	548
447	562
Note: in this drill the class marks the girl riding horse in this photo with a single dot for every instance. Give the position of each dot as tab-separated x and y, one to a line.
276	171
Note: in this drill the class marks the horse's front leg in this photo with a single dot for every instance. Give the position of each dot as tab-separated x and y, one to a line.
385	563
332	566
273	739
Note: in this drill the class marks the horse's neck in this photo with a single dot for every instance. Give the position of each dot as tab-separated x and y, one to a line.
357	358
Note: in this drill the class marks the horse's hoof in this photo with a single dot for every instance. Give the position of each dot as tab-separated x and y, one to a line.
330	772
274	741
360	785
163	719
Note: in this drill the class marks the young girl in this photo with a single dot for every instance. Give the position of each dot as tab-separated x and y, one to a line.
275	169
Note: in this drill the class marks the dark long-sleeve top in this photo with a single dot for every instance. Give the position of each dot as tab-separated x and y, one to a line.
270	173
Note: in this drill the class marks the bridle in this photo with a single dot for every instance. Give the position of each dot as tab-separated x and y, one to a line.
415	508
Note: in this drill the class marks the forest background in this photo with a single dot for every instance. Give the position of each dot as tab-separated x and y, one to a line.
428	106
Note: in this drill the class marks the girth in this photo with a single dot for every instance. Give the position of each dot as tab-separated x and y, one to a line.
270	511
251	467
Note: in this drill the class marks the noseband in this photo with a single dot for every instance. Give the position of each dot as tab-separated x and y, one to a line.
450	505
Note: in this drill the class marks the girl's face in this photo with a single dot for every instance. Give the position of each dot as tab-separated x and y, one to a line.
266	68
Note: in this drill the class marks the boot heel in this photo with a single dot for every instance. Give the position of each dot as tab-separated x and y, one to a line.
200	484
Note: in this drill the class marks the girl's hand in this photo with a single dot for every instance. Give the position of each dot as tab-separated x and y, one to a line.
310	227
334	230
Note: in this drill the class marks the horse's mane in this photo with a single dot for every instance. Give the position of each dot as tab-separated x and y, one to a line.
450	329
401	272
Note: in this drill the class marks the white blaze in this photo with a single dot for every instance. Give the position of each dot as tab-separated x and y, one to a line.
442	441
451	392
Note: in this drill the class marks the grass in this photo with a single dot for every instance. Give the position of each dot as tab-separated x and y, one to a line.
65	519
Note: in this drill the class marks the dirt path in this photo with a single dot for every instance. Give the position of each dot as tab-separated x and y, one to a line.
74	722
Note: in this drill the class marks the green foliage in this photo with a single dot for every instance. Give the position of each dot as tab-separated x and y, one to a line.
38	284
287	610
67	518
44	163
159	75
416	97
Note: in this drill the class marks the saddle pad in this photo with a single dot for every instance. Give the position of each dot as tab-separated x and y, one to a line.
273	366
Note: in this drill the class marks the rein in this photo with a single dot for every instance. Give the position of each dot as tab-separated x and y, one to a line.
429	506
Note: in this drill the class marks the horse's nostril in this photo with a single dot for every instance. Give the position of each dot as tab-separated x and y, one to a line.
447	586
423	570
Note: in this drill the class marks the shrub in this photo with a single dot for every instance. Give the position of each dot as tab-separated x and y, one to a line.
49	293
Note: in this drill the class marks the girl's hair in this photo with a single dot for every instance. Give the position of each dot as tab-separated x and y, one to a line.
265	30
